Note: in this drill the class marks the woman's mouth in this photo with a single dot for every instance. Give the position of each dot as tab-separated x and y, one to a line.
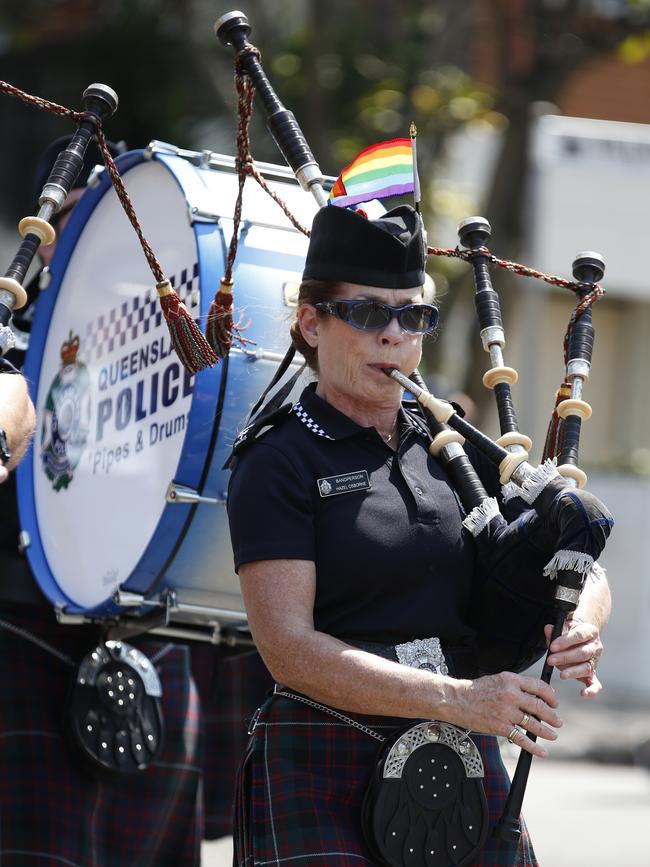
384	368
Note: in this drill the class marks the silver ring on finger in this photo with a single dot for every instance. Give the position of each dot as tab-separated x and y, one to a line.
593	664
524	721
515	731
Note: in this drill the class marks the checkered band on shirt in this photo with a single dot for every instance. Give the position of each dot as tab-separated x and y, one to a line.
309	422
139	316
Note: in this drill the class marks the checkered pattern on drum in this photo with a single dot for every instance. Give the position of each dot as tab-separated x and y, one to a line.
138	316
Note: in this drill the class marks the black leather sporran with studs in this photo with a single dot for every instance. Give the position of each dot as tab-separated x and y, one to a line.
425	805
115	714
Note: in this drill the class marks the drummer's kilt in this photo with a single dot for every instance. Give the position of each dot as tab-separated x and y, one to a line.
301	784
231	686
53	810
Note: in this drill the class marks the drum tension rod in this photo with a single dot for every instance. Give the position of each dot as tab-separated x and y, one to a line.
129	627
182	494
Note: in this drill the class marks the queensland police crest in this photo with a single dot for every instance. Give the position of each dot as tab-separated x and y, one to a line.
66	417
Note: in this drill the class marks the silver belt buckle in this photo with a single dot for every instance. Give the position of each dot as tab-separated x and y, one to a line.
424	653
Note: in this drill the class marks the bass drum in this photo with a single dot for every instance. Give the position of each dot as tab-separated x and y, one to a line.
123	497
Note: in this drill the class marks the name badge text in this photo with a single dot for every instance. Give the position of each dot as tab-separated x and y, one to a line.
347	483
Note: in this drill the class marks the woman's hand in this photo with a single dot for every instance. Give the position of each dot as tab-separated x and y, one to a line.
575	654
509	705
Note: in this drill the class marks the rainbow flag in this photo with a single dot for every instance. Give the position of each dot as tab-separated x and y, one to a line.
379	171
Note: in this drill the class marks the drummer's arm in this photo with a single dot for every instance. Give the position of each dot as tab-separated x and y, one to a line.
279	598
17	417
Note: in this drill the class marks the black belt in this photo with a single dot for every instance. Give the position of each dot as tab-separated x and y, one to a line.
17	583
460	659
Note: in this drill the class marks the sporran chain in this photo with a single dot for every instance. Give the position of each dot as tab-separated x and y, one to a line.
328	710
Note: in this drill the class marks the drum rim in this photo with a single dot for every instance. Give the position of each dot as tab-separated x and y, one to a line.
193	464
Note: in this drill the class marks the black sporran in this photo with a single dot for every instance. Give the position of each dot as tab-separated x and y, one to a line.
425	805
115	712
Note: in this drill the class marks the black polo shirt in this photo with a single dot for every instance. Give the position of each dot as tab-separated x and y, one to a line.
393	562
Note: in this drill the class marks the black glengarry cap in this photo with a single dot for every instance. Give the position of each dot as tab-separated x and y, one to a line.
346	246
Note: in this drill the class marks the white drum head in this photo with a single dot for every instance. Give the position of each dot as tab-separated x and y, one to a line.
119	419
114	415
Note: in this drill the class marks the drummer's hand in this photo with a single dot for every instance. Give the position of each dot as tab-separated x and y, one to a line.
509	705
4	473
575	654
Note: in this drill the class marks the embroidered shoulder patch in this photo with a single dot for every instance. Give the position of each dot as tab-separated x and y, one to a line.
346	483
259	424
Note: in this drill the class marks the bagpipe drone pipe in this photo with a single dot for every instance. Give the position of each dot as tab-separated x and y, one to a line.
99	103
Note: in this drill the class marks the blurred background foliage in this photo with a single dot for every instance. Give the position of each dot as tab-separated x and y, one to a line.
354	72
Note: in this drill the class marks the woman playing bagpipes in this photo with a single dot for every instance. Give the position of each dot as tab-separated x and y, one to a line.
379	743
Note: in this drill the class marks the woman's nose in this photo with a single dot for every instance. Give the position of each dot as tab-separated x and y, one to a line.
392	333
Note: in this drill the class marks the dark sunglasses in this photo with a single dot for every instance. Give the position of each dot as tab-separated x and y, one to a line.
373	315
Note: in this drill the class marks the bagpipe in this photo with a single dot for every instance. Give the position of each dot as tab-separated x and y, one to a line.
558	531
553	527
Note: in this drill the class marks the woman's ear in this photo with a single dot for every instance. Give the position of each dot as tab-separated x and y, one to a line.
308	321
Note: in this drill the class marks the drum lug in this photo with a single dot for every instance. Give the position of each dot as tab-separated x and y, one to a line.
129	627
201	159
127	599
156	146
95	177
183	494
196	215
24	541
45	278
68	619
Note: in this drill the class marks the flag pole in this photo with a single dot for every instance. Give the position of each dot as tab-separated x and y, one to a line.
413	132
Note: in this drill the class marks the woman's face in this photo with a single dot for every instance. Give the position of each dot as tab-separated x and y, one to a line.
350	361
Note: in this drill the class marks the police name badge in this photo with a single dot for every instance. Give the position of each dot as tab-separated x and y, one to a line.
346	483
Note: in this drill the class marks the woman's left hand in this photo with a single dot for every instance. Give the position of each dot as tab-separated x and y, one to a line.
575	654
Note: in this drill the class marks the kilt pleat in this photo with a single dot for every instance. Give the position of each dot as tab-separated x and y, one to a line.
242	822
231	686
301	785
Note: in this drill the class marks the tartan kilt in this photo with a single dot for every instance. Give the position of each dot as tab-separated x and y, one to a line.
301	783
231	685
53	809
